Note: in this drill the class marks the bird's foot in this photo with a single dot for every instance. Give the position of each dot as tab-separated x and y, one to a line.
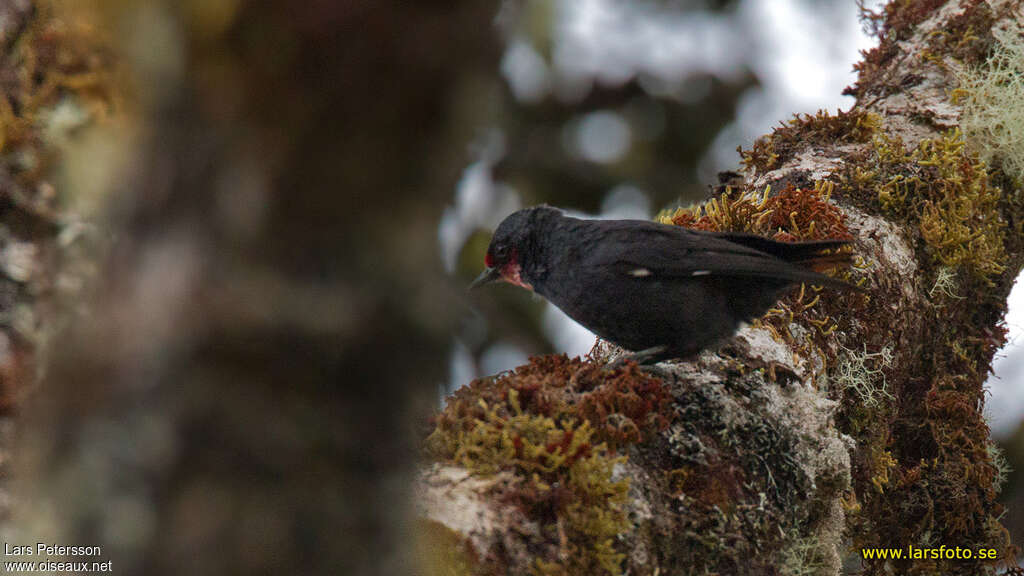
645	358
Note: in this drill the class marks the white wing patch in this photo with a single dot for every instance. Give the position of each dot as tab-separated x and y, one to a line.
700	273
640	273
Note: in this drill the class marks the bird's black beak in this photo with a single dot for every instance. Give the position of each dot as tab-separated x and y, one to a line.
486	277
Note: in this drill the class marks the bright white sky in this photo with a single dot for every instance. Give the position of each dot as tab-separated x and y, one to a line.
802	51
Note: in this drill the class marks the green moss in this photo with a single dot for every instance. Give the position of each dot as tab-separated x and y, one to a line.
944	192
928	471
556	425
560	470
881	464
819	130
740	488
738	211
966	35
623	406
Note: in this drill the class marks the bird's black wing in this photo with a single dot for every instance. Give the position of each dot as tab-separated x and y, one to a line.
645	250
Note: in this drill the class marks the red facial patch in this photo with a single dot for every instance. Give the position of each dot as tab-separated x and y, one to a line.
489	260
512	273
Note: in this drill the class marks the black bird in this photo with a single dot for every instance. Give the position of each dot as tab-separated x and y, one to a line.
658	290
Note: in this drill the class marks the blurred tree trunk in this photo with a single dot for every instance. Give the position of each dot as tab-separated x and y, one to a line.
836	423
272	316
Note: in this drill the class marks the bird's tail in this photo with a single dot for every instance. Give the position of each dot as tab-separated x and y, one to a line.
827	261
795	252
817	255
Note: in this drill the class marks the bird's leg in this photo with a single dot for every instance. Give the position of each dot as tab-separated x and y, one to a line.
647	355
643	357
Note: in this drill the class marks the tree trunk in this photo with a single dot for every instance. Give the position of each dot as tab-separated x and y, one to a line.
839	421
232	404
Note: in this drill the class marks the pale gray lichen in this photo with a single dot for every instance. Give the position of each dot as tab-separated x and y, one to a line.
945	284
993	104
999	462
861	372
804	558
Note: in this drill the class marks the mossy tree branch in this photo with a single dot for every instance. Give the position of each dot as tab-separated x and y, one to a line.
834	423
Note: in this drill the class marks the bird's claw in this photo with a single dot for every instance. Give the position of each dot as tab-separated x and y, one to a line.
644	358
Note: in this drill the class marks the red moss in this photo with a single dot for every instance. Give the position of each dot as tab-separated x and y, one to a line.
902	16
965	35
689	220
803	214
792	214
871	68
624	405
821	129
627	408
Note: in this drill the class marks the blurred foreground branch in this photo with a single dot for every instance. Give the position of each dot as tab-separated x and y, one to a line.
241	398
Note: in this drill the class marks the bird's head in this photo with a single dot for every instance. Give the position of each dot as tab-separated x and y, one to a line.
511	247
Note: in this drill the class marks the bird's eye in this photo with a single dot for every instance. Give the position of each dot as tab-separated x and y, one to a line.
500	251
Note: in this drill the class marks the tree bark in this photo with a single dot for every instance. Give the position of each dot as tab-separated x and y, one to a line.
837	423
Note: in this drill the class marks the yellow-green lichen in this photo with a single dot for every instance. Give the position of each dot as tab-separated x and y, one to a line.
805	556
946	286
921	468
1000	463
